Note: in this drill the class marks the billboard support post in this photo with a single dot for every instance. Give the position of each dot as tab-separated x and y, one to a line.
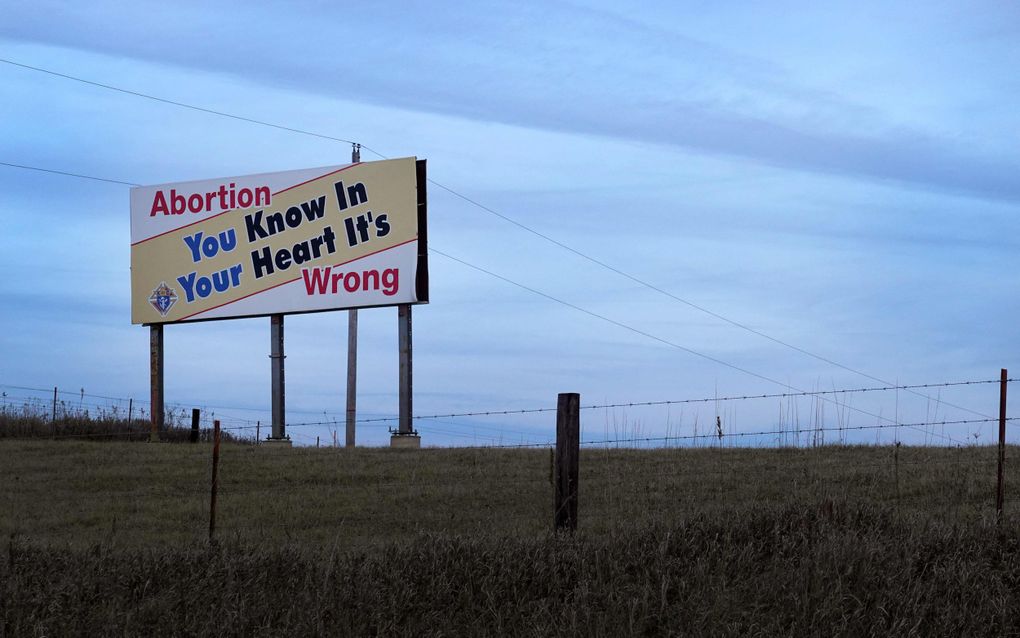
404	339
352	374
279	432
155	380
405	435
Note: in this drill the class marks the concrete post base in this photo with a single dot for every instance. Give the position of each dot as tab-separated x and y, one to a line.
405	441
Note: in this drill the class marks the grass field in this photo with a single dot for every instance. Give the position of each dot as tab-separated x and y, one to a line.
112	538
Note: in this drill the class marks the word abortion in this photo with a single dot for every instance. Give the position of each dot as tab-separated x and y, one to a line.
228	198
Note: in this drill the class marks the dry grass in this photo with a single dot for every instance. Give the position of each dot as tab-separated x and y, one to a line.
72	492
112	539
766	571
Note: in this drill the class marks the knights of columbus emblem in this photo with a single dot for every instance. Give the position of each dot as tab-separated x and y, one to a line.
163	298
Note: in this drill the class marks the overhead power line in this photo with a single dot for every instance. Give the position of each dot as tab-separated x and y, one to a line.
56	172
666	341
492	211
674	297
183	105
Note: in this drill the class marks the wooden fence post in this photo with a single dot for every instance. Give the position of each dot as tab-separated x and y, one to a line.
567	455
194	424
215	478
999	487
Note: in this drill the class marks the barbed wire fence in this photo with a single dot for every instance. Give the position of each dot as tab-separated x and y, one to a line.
55	405
470	488
309	494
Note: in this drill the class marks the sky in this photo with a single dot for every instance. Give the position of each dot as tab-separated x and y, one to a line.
841	178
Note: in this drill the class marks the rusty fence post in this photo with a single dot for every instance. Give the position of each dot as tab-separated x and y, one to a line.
566	461
999	486
215	478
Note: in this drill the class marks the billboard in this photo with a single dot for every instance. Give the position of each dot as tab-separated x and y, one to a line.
329	238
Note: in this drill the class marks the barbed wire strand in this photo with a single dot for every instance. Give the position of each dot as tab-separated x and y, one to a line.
791	431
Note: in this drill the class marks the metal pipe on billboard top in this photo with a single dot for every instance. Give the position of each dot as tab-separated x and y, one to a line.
352	349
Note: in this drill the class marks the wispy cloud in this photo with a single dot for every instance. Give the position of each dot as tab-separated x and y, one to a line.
605	76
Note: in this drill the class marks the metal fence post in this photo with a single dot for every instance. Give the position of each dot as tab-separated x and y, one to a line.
53	420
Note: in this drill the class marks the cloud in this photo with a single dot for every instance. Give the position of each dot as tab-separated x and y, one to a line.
516	64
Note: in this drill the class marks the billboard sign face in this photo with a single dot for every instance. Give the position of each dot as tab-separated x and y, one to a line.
328	238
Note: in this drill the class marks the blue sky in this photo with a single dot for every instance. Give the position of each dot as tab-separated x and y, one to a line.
841	177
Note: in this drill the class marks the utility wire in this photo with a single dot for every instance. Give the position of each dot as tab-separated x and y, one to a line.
184	105
676	298
55	172
664	341
578	308
607	319
491	211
